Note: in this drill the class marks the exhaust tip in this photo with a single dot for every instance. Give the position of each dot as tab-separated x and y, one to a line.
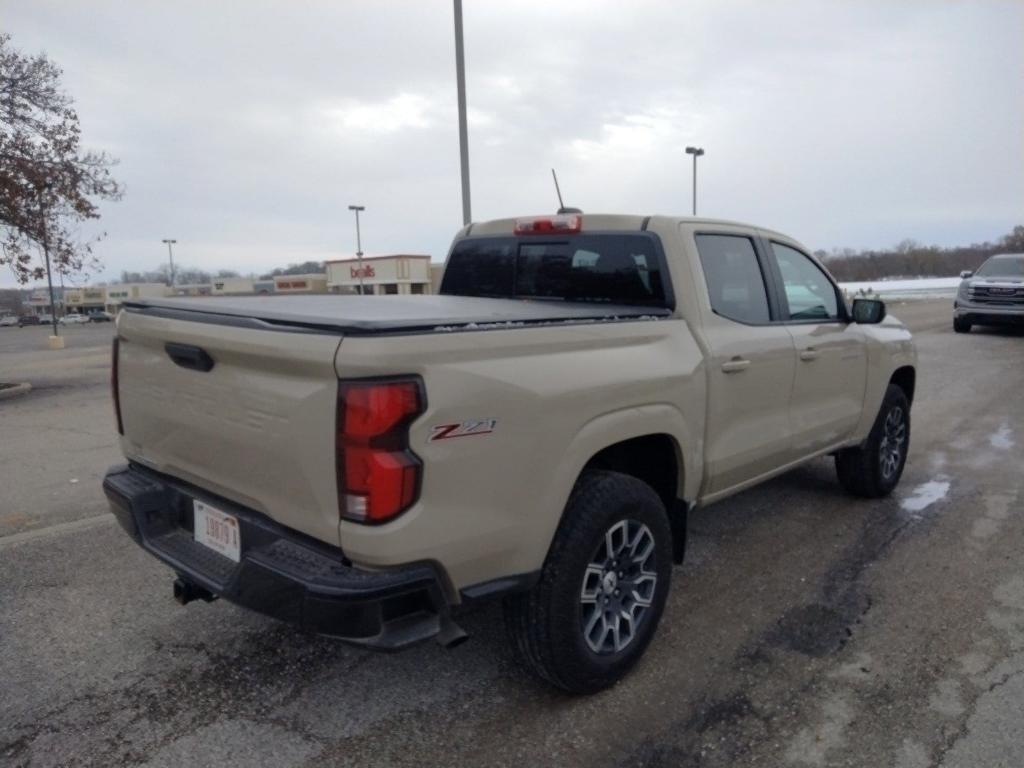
451	634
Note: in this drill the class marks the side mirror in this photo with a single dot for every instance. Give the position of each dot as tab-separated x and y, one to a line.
868	311
966	273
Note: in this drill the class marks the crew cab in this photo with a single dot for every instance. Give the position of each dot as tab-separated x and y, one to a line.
366	467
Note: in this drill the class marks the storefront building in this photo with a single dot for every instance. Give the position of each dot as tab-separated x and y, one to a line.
85	301
117	293
397	274
310	283
233	286
39	301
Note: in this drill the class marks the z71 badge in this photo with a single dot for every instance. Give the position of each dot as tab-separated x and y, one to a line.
462	429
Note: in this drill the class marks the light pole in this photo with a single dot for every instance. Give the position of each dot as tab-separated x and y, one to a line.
696	152
170	255
44	215
359	245
460	79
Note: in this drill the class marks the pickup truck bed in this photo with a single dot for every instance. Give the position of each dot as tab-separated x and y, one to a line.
372	315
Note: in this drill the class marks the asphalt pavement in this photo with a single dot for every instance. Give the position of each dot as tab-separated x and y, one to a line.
806	628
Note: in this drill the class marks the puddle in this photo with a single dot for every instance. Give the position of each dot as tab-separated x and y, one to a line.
1001	438
925	495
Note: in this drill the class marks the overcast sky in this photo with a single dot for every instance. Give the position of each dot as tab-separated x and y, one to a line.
245	129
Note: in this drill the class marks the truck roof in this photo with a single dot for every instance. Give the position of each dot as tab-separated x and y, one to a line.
607	221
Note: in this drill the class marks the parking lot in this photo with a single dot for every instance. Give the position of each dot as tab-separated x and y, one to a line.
805	628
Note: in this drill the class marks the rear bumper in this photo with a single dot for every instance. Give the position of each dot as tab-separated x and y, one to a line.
281	573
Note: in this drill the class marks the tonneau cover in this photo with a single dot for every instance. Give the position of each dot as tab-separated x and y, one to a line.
366	315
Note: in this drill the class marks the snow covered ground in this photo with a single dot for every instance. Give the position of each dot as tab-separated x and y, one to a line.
914	288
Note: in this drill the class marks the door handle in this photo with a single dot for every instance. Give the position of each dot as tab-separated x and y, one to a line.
188	356
809	354
735	365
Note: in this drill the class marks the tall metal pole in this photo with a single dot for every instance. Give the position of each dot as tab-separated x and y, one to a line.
460	77
170	255
359	246
695	184
49	274
696	152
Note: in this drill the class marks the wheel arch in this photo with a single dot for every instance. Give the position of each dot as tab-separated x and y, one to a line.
655	459
905	378
626	441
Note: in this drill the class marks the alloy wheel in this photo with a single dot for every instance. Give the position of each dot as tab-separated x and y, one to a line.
894	438
618	587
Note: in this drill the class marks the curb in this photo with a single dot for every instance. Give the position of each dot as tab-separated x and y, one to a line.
15	390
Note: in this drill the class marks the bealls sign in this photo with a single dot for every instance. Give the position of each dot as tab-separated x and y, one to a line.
366	271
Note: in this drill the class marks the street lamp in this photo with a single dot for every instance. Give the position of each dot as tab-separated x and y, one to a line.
460	84
170	255
696	152
359	245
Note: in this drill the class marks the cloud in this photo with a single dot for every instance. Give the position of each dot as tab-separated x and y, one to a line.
245	131
402	112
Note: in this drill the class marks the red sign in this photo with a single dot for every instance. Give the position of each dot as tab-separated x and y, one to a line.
366	271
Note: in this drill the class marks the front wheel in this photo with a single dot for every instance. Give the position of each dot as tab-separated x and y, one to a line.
873	469
961	326
602	589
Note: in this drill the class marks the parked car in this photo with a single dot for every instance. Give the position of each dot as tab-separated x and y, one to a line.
101	317
8	321
45	319
29	320
994	295
74	319
537	432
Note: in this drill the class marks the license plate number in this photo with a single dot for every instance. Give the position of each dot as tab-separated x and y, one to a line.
217	530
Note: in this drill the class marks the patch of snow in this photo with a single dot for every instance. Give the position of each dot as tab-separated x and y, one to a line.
1001	438
925	495
925	287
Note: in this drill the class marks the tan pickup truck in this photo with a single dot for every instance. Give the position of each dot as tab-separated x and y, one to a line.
368	466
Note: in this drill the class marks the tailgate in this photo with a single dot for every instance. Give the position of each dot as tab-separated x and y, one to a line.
256	428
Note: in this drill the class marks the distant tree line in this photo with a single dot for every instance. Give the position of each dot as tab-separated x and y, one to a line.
182	275
912	259
305	268
11	300
193	275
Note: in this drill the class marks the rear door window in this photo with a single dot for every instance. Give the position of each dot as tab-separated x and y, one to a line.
735	283
606	268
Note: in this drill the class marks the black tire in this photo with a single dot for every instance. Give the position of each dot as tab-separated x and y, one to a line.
546	625
961	326
873	469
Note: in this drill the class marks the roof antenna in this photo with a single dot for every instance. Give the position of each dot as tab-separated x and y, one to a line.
561	205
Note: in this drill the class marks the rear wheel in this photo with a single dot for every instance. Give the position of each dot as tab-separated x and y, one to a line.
874	468
603	587
961	326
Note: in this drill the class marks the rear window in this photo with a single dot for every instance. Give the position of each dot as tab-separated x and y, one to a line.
611	269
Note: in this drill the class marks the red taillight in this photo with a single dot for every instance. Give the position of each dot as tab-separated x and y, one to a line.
565	224
378	476
114	389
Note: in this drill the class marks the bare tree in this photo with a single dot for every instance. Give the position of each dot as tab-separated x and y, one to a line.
48	184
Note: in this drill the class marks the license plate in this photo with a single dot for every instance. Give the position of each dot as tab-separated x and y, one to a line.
217	530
